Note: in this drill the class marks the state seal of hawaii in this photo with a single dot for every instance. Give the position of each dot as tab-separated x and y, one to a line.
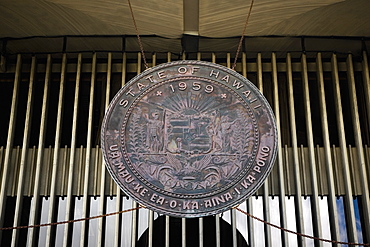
189	138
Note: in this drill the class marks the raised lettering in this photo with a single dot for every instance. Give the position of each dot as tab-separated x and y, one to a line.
257	169
138	187
251	179
129	179
173	204
113	147
123	103
153	197
247	93
150	78
182	70
207	204
143	191
228	196
237	84
261	159
217	200
182	86
257	106
172	89
186	205
115	154
121	167
161	74
126	176
124	173
245	184
141	86
260	163
209	89
160	200
214	73
196	86
225	78
194	69
130	92
264	156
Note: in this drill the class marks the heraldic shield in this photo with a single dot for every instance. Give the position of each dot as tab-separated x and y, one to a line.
189	143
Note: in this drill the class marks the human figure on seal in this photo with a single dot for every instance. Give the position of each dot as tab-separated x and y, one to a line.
226	132
154	132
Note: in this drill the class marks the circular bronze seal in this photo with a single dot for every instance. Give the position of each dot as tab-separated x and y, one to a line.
189	138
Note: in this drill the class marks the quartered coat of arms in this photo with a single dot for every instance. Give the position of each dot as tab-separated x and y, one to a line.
189	138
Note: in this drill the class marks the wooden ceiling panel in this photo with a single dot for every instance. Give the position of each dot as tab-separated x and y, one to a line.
348	18
172	18
223	18
22	18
